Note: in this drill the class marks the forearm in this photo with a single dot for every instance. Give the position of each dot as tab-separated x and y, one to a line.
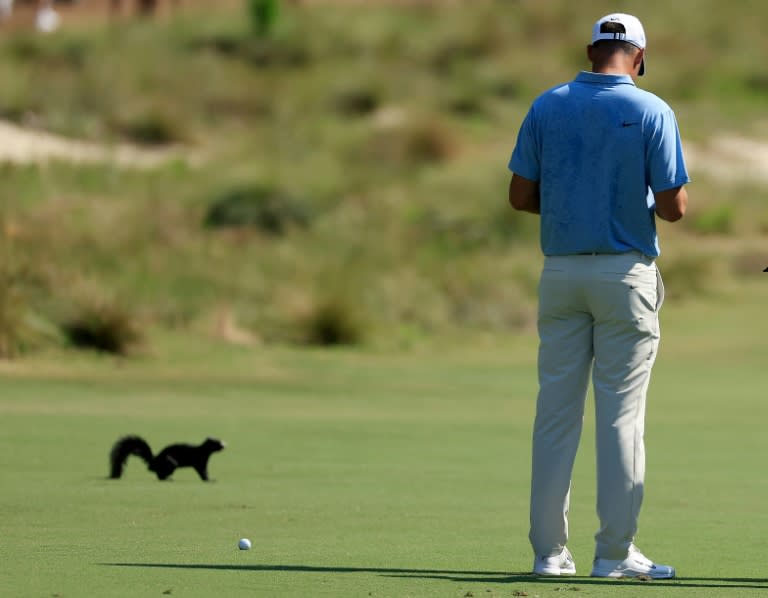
671	204
524	195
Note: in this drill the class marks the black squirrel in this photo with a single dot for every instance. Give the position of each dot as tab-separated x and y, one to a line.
167	460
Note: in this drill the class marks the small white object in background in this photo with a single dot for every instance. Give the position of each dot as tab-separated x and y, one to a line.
244	544
6	8
47	19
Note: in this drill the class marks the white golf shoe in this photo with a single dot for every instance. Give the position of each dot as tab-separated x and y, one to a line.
561	564
635	565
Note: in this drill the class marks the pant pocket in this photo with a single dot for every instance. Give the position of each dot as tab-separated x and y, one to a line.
659	290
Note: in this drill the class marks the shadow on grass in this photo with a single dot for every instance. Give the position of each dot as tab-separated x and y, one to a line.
471	576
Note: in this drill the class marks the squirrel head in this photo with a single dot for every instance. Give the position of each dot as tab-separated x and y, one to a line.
214	444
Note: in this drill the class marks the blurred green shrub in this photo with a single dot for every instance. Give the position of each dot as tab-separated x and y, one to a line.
356	102
690	275
429	142
451	53
333	322
259	52
716	220
12	312
21	326
757	83
414	144
61	52
263	15
467	232
267	210
506	88
152	128
275	55
466	106
106	327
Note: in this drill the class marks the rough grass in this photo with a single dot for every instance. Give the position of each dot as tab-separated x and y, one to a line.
392	126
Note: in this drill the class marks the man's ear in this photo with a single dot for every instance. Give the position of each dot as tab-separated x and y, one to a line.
590	51
638	59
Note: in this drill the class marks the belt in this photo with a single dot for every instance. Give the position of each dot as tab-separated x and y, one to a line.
634	251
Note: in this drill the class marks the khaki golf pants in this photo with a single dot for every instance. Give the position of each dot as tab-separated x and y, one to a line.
598	314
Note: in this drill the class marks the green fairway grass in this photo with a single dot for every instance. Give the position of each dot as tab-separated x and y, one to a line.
369	473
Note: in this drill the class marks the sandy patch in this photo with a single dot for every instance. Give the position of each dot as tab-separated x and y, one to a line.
20	145
730	158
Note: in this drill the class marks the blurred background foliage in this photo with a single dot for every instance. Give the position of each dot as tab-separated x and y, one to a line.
335	172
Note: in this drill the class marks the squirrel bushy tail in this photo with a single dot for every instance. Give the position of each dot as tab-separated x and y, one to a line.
124	448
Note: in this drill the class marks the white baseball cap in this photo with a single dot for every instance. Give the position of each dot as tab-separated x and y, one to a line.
633	32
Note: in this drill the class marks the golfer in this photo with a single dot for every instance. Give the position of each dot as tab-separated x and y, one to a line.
599	159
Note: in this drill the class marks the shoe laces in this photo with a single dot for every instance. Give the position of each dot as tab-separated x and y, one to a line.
640	558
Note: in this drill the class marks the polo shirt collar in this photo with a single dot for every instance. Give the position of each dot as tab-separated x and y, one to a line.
603	79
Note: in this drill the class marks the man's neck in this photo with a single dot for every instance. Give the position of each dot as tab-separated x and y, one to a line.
612	69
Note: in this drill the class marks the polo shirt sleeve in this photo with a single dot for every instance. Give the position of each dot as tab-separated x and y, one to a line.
525	157
665	163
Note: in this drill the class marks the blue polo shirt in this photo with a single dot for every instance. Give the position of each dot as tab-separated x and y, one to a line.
599	148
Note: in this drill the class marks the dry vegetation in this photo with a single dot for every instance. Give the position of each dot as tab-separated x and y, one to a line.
341	179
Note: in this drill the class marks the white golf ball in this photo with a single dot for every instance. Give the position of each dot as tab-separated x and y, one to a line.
244	544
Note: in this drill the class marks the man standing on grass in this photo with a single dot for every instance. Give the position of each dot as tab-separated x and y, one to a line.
597	158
